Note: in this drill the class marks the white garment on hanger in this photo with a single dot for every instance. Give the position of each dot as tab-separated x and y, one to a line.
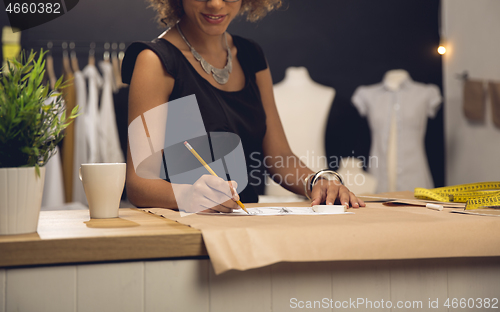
81	148
303	106
109	140
94	82
53	189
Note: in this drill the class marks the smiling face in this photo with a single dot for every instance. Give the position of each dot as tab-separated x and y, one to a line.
212	17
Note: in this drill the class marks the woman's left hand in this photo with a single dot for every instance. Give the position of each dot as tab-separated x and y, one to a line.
333	192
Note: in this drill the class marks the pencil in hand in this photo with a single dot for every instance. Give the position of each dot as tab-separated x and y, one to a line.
191	149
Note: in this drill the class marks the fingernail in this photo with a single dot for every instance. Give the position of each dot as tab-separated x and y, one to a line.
330	203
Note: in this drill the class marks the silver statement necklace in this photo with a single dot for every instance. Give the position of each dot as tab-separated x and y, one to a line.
221	76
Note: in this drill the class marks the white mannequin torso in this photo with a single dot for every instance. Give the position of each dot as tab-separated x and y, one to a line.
394	78
303	106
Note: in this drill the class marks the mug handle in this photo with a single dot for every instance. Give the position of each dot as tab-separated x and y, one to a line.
80	173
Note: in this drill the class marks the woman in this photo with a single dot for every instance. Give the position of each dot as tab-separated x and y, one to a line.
236	97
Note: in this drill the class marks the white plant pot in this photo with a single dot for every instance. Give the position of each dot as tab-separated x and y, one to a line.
21	193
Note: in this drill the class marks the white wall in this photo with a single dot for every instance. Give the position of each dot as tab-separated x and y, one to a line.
472	29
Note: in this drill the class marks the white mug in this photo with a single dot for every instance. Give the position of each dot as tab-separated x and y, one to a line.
103	184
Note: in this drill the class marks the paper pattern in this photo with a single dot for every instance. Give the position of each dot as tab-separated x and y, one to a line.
274	211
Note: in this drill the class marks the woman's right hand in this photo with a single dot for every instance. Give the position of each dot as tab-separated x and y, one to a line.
210	194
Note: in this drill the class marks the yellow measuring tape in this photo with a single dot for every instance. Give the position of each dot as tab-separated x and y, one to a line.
475	195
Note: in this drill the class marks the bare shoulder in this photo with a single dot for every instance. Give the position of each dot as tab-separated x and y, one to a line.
150	72
149	62
151	84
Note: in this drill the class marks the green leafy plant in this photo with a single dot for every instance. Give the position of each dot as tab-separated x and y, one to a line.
32	118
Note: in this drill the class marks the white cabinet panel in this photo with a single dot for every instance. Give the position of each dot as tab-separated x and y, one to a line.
419	284
302	285
361	285
472	281
177	285
41	289
247	291
111	287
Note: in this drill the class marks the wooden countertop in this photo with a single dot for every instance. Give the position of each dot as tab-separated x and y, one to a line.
69	236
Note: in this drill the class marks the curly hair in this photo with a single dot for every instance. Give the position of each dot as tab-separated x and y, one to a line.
170	11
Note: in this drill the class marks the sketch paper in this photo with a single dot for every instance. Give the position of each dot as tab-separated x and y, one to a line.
275	211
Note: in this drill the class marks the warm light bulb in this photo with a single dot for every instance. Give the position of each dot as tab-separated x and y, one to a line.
441	50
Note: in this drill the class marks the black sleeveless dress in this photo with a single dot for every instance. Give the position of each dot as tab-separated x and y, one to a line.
240	112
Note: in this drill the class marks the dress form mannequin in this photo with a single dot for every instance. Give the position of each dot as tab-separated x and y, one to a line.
397	110
355	178
394	78
392	81
303	106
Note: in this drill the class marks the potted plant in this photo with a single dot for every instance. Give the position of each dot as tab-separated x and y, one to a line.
32	120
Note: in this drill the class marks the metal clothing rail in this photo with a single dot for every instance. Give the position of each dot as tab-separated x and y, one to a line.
59	48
